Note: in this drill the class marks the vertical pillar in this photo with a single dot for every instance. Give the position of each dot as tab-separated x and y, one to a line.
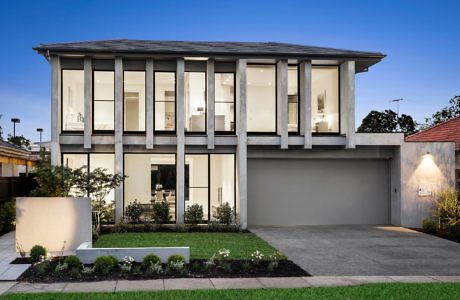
55	110
119	135
88	107
180	154
305	103
282	101
210	88
149	132
347	98
241	149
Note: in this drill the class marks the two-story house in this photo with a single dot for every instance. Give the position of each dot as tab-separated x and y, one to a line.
267	127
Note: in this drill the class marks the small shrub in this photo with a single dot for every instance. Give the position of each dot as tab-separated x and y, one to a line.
429	226
454	230
127	264
225	214
180	228
43	267
37	252
61	268
194	214
161	212
174	258
134	211
247	267
178	267
104	264
448	208
87	270
7	216
154	269
73	262
209	264
272	266
214	226
151	258
257	257
222	254
150	227
21	250
75	273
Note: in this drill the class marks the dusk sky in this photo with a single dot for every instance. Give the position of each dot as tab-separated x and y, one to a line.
420	38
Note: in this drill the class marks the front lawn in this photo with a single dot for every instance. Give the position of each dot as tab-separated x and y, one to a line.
372	291
202	244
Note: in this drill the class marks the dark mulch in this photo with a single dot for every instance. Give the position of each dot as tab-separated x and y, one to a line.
196	269
440	233
21	260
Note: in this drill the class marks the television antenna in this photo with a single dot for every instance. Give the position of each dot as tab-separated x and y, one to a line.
397	104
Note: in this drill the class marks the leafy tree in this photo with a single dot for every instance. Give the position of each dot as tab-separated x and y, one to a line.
387	121
19	140
448	112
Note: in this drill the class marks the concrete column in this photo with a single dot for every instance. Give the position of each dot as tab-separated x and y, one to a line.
180	155
347	98
305	103
119	135
242	141
150	104
210	88
55	110
282	101
88	99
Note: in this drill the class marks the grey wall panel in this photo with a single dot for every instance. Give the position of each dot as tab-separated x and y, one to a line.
317	192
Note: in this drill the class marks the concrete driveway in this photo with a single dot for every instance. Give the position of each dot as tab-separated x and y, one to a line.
364	250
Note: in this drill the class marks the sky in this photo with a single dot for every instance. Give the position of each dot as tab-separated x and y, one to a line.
420	38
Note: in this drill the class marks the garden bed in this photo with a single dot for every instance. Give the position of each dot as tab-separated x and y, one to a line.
196	269
440	234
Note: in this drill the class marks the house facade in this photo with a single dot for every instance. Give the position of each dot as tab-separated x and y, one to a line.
268	128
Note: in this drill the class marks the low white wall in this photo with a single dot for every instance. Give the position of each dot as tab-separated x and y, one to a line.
51	221
88	255
427	165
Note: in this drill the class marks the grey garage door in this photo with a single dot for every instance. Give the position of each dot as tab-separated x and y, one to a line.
317	192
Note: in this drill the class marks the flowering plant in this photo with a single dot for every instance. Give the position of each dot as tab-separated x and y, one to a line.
223	253
257	257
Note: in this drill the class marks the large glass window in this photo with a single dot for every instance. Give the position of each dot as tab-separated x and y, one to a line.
293	99
72	100
151	177
222	180
196	181
105	161
104	100
165	101
325	99
75	160
261	98
134	101
224	118
195	101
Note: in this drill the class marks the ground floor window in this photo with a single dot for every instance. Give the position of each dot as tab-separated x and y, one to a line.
151	177
92	161
457	177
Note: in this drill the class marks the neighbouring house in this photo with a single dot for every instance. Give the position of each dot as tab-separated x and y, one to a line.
448	131
268	128
15	164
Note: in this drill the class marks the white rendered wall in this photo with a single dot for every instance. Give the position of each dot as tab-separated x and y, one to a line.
51	221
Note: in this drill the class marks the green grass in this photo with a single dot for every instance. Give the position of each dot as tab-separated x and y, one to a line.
202	244
437	291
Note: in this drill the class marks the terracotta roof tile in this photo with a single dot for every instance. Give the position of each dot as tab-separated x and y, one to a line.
448	131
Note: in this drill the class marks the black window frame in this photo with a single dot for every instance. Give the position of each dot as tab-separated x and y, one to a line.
205	132
267	133
165	132
135	132
339	99
232	132
62	101
99	131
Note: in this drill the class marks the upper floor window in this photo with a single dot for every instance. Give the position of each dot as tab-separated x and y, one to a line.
224	118
72	100
195	102
165	101
134	101
104	100
293	99
325	99
261	98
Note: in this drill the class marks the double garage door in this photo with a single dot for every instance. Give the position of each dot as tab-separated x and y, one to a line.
286	192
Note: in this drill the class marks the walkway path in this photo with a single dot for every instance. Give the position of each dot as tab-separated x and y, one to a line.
214	283
7	255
